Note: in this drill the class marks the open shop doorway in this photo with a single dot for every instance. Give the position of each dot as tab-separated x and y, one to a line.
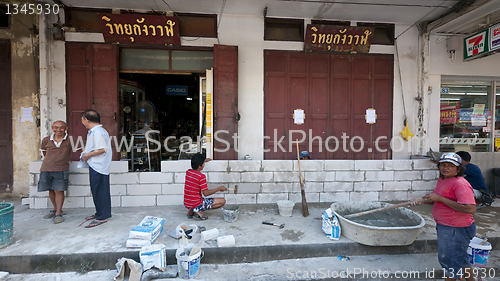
170	105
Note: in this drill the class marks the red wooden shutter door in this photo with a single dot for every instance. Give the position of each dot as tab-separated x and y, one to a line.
225	101
79	89
92	83
6	168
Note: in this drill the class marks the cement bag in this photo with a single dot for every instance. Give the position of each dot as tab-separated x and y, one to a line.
330	225
153	256
137	243
149	229
128	267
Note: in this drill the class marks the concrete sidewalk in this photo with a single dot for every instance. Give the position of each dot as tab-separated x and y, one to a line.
41	246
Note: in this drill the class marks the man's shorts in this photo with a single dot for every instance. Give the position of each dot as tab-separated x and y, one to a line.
53	181
205	205
452	248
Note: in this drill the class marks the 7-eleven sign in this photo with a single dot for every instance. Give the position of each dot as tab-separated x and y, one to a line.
475	45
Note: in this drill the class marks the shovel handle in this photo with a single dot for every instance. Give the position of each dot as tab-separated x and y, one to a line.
378	210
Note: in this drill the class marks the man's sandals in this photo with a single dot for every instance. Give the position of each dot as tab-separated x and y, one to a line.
95	223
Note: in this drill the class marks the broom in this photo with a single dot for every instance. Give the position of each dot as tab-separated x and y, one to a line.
305	210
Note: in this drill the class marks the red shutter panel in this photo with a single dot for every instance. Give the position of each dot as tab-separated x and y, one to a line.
225	101
6	169
276	104
92	81
383	98
79	93
334	91
105	89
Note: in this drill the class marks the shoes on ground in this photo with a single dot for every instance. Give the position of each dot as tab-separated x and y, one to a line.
52	214
58	219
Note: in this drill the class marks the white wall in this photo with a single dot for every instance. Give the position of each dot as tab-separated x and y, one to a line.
441	63
406	83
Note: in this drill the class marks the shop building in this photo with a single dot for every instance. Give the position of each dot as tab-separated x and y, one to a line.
254	78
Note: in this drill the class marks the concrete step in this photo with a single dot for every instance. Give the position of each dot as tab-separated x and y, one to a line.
217	256
41	246
373	267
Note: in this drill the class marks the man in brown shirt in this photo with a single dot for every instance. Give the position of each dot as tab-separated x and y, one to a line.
54	172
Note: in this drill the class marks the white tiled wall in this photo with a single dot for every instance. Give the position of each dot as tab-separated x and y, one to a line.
259	182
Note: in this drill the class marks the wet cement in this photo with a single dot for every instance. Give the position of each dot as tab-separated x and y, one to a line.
388	218
399	217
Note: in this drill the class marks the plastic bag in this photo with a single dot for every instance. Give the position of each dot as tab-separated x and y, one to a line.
330	225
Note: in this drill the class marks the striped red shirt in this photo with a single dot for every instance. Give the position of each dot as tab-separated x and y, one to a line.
194	184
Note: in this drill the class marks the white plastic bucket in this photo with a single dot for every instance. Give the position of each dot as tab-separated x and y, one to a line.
230	212
188	266
285	207
478	254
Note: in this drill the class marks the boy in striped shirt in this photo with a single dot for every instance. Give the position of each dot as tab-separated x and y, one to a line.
195	186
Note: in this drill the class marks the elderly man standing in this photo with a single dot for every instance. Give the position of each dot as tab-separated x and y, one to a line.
54	172
98	156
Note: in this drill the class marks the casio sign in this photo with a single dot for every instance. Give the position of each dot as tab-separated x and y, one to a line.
177	90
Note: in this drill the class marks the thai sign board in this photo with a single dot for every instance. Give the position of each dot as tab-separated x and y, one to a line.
335	38
494	37
483	43
140	29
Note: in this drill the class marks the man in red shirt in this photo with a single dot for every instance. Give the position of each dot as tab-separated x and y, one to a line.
196	185
54	172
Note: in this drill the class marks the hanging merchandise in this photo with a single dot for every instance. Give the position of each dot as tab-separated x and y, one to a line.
406	133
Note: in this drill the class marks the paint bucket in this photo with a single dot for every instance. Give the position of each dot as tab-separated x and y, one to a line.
6	223
478	254
231	212
285	207
188	266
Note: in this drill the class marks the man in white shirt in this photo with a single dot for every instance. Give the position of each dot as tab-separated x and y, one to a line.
98	156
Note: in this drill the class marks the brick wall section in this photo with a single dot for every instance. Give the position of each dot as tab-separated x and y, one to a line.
259	182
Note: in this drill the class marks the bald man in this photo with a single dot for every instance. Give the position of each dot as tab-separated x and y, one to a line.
54	172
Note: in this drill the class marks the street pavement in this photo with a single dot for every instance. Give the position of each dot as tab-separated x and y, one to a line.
42	250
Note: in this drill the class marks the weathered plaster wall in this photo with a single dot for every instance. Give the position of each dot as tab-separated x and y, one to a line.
52	77
25	135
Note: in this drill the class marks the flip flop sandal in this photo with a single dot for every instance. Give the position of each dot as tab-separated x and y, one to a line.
95	223
190	217
203	218
93	217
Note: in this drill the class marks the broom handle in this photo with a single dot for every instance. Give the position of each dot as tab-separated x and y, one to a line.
300	172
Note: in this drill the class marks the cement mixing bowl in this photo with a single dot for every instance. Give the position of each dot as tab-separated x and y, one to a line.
396	227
